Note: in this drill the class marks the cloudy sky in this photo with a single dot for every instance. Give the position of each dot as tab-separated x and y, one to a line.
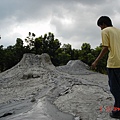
71	21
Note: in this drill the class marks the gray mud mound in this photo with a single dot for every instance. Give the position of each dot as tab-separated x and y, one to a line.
75	67
28	66
28	61
22	79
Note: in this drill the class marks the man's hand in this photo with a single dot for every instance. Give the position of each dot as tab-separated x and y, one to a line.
102	53
93	66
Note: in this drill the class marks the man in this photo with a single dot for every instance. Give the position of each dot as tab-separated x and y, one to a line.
111	43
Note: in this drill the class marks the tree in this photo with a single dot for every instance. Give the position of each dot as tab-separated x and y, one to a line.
75	54
48	44
67	48
63	58
18	49
85	53
9	59
30	39
2	56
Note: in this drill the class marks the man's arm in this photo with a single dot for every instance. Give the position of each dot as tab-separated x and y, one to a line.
102	53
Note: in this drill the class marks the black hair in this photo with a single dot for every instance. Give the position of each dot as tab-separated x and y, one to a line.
104	20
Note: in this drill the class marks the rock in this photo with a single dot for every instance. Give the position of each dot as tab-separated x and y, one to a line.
6	114
33	99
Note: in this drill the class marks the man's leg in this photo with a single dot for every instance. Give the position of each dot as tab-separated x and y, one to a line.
117	74
114	83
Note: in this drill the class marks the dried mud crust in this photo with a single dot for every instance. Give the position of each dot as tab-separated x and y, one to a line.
70	90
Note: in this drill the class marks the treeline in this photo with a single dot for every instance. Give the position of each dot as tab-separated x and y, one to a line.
11	55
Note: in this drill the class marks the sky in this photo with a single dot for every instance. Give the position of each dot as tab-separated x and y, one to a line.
71	21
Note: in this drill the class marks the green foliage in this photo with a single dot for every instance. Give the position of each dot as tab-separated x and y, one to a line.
2	56
86	54
48	44
63	58
30	39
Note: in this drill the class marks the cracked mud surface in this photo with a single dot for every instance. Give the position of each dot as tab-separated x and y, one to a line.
34	89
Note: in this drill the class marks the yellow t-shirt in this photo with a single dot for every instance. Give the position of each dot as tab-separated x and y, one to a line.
111	38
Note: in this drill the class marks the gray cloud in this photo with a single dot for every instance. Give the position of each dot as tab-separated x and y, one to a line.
74	21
